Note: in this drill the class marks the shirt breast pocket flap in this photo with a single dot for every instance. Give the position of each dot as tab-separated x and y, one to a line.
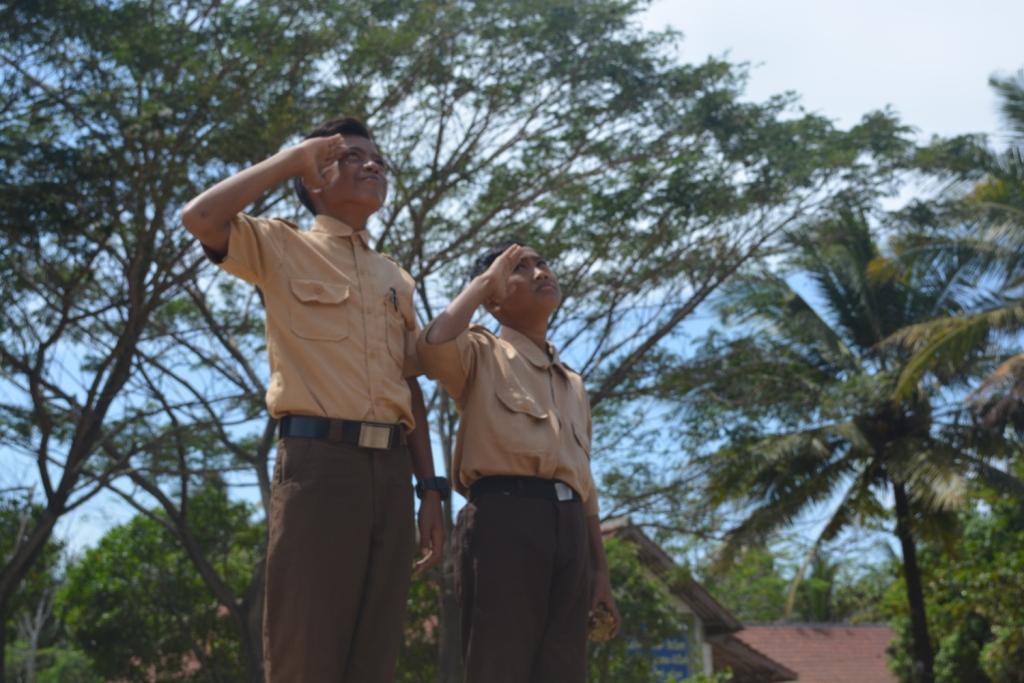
581	438
317	309
518	401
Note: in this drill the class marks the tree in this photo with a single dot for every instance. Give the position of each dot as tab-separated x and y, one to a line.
805	411
418	660
32	626
979	216
648	619
753	588
105	110
837	588
130	364
977	628
138	606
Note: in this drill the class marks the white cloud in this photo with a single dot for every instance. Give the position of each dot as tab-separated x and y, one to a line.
929	60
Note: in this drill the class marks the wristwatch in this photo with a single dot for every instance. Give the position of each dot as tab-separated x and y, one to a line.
439	484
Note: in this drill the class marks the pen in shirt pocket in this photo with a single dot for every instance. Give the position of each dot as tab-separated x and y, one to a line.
394	298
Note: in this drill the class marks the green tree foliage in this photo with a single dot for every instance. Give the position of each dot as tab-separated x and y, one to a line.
34	640
836	589
973	612
648	619
51	664
128	363
136	604
106	110
753	588
805	409
979	216
417	660
16	518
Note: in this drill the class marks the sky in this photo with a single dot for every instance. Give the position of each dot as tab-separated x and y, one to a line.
930	61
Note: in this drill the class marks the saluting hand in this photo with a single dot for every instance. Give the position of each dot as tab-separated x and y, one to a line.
315	157
497	275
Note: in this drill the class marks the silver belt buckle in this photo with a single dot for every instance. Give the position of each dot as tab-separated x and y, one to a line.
563	491
374	436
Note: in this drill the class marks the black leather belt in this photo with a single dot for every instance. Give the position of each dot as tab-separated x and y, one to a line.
524	487
380	435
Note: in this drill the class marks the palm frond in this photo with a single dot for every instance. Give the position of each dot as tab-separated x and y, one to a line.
780	477
856	503
1000	481
950	341
1011	100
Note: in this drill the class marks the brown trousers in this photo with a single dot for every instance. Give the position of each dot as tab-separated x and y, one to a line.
524	576
339	562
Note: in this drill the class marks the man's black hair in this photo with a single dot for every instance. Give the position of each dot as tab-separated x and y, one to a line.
345	125
484	261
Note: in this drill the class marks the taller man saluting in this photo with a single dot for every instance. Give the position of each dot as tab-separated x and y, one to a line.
341	341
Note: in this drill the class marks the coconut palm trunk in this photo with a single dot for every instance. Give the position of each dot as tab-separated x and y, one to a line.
923	657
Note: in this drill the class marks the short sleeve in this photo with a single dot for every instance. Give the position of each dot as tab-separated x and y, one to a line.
450	363
253	247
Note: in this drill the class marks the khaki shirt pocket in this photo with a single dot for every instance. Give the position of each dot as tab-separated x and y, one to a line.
518	401
318	309
528	443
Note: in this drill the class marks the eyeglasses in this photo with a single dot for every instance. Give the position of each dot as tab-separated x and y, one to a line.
357	157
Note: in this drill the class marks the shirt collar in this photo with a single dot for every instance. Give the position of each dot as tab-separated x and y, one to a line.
332	226
525	346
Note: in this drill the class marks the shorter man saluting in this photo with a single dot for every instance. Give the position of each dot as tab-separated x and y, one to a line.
529	539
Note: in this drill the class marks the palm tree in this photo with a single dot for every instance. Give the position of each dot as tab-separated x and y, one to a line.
980	218
806	410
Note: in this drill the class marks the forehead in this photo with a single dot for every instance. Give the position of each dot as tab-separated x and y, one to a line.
531	253
359	142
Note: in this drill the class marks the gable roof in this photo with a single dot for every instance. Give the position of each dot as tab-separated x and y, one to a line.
716	618
720	625
747	665
826	653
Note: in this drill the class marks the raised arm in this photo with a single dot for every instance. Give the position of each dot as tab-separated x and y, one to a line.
488	286
209	215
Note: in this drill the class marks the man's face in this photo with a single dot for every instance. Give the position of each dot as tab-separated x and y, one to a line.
358	178
532	291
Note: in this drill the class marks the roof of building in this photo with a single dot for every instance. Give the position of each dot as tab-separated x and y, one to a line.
716	618
826	653
747	665
720	625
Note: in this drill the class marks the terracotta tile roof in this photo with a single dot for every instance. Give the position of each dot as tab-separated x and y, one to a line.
826	653
747	665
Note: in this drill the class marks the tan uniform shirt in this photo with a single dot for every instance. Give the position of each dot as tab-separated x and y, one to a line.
523	412
341	328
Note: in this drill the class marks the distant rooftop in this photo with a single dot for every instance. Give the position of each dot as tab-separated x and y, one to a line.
825	653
